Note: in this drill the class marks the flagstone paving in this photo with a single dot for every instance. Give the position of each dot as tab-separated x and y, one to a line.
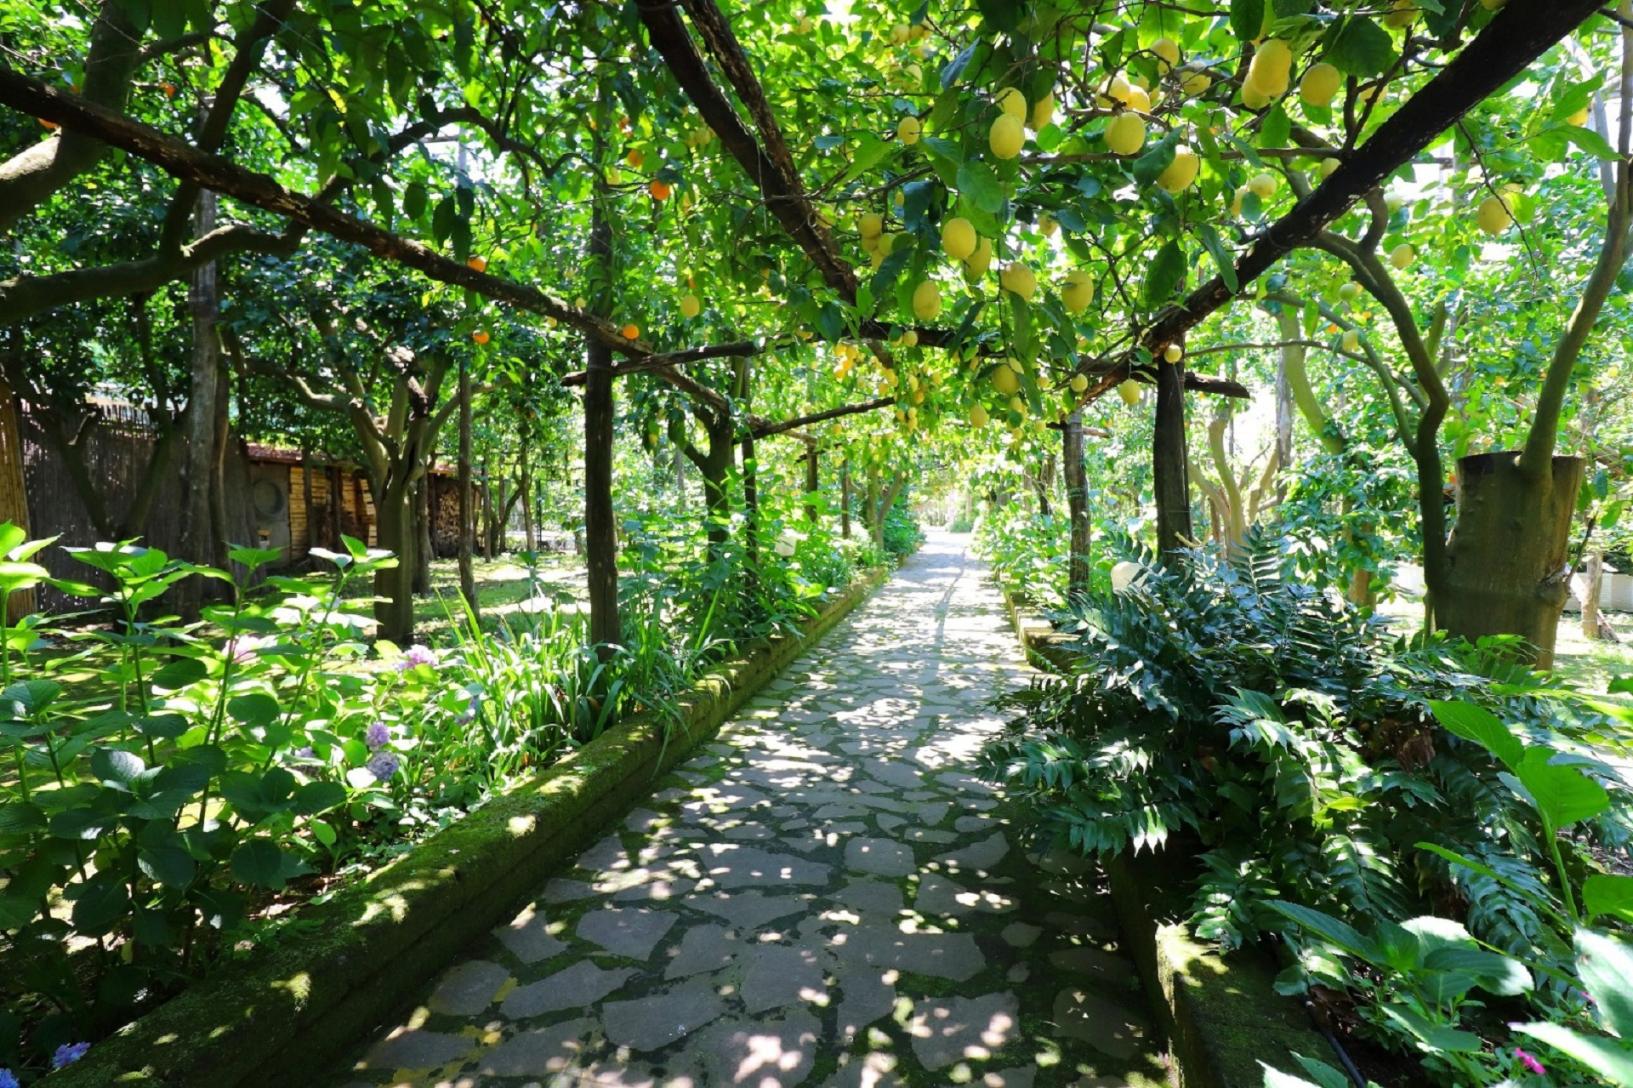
824	895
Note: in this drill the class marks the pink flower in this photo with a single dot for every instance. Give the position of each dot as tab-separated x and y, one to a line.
1530	1062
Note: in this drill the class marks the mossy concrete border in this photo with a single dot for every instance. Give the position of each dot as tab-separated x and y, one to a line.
285	1011
1220	1014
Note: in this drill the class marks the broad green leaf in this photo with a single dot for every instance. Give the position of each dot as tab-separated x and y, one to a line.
1165	276
1477	724
1432	1036
1608	896
259	862
1606	967
1246	18
1357	46
1565	795
1609	1058
981	186
1325	926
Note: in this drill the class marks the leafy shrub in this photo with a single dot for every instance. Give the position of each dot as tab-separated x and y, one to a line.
902	535
1296	744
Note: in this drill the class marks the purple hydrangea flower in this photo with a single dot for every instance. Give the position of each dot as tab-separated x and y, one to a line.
68	1054
382	765
416	655
8	1079
1530	1062
377	736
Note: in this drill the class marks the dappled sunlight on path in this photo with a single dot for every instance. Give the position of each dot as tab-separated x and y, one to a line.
823	895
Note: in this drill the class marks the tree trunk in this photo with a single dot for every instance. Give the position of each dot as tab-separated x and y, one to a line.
751	504
1284	418
845	498
1168	462
13	491
1591	593
467	505
1506	569
813	484
1077	504
529	534
422	534
870	500
206	395
498	520
600	529
394	610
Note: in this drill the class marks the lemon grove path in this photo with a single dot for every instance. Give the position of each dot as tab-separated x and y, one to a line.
824	895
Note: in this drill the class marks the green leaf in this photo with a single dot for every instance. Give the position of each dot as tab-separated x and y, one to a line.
1591	142
1357	46
978	184
315	797
1326	927
254	709
100	904
870	152
259	862
179	673
1605	1057
1562	793
1604	895
1246	18
1606	967
1432	1036
1477	724
1165	276
116	767
169	865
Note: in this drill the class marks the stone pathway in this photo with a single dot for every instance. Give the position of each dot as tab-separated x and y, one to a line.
824	895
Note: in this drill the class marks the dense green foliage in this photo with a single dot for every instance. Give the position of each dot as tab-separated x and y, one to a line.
1293	744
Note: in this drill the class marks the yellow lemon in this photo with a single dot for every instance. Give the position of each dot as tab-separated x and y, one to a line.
926	301
1402	13
1494	215
1252	99
1402	256
690	306
1579	118
1129	390
1005	381
1043	111
1125	135
1327	167
1350	291
1270	68
910	339
908	131
1018	279
1173	353
1181	173
1139	100
1080	383
1006	136
1077	291
1262	184
870	225
958	238
1167	54
1350	341
1012	102
1319	85
978	416
1195	83
978	262
1048	226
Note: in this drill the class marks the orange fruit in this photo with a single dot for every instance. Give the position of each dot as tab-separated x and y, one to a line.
477	264
631	332
659	189
480	336
169	89
635	158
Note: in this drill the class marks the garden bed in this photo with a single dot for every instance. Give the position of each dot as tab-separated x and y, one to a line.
374	943
1221	1015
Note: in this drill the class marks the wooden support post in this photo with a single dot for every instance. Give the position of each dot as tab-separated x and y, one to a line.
845	498
751	502
813	483
1168	462
467	500
600	529
1077	504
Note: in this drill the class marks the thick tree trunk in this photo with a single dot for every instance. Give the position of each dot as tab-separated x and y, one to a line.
1077	504
394	610
845	498
1506	569
600	528
467	505
1169	460
870	501
13	491
422	534
205	402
